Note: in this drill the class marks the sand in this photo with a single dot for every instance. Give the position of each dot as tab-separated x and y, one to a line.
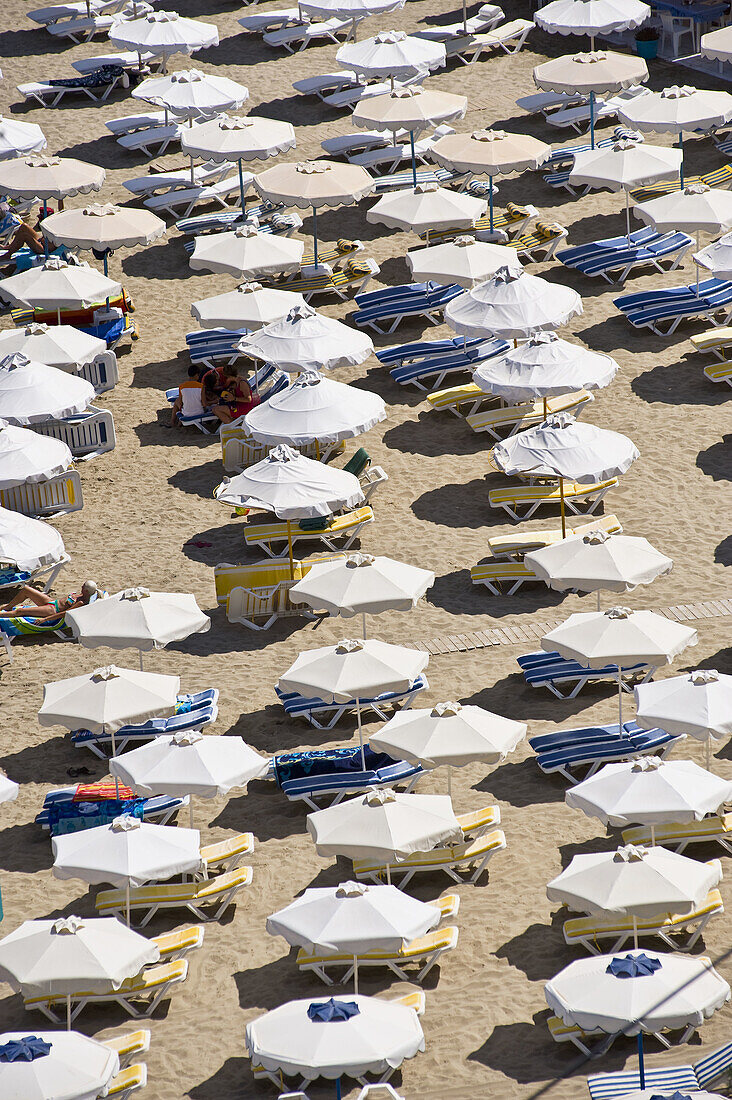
149	500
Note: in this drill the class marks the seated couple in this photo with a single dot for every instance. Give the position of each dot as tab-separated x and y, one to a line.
219	390
42	607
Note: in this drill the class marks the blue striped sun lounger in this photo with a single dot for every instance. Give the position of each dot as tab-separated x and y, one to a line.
593	754
712	301
430	373
383	310
552	671
669	1079
331	774
616	264
424	349
194	712
324	715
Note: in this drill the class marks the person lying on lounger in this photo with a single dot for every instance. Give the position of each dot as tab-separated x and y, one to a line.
42	606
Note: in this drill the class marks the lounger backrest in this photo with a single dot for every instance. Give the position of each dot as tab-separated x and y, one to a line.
709	1068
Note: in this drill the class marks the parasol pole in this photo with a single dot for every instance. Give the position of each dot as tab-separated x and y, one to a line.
414	159
289	548
592	120
360	733
709	752
635	932
114	753
681	169
127	901
465	16
561	507
363	621
641	1061
355	974
241	185
620	700
68	1012
627	213
190	810
315	237
490	199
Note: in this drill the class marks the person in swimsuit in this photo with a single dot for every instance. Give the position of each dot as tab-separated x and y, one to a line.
42	606
235	398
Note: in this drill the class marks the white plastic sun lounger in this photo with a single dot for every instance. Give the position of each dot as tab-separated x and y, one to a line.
545	102
351	95
271	19
488	17
139	996
153	140
128	124
508	38
347	145
153	182
127	60
321	86
50	95
295	39
392	157
82	29
180	203
56	12
578	118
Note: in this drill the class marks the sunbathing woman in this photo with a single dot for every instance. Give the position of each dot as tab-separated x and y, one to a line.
233	399
26	234
42	606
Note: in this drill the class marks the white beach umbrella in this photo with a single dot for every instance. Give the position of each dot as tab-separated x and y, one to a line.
392	54
47	957
490	153
464	261
335	1038
32	392
450	735
189	763
127	852
591	17
108	698
18	138
26	456
54	1065
598	561
27	543
317	184
426	207
245	251
61	346
698	703
384	825
305	340
697	209
315	409
676	109
650	791
544	366
619	637
717	257
624	166
191	92
162	34
58	285
354	669
363	585
717	45
355	10
103	227
137	618
49	177
8	789
353	918
565	447
239	138
249	306
512	305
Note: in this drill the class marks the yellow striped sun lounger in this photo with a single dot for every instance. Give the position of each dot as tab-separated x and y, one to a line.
257	595
128	1046
679	932
174	945
515	546
719	372
226	855
139	996
509	419
542	241
716	340
207	900
678	836
521	501
423	952
127	1081
513	221
347	526
469	859
494	574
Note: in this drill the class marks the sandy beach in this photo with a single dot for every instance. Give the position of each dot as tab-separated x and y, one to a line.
149	518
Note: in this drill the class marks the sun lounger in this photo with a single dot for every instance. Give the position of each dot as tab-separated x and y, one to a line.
257	595
345	145
126	1081
461	401
194	712
241	451
593	1043
546	102
710	830
462	862
592	755
721	177
719	372
61	814
153	141
55	12
179	203
624	260
97	86
57	496
717	341
324	715
347	526
521	501
207	900
678	932
220	221
488	17
495	574
424	953
428	373
294	39
541	243
271	19
516	545
477	823
327	83
128	1046
154	182
87	435
507	38
175	945
350	95
512	221
126	59
578	118
81	29
102	371
390	156
565	155
510	419
550	670
356	274
712	302
395	304
326	776
689	1078
138	996
225	855
130	124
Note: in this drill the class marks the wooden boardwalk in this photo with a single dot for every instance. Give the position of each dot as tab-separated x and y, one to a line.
531	633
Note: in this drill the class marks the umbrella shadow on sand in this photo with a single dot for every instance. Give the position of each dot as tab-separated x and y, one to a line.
676	384
716	461
539	951
232	1080
426	436
199	480
517	782
456	506
723	552
524	1052
455	593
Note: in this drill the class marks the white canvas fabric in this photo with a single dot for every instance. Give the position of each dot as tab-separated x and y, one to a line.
49	177
411	108
249	306
350	9
696	209
238	138
189	763
591	17
57	284
598	561
292	486
392	54
75	1068
545	366
464	261
163	33
490	152
314	183
139	619
717	45
305	340
717	257
353	917
18	138
246	252
698	703
108	698
315	408
192	92
33	392
28	456
103	225
353	668
600	71
449	734
375	1040
678	108
28	543
127	851
564	447
8	789
61	346
426	207
44	957
619	636
625	166
384	825
634	882
681	991
650	791
512	305
362	585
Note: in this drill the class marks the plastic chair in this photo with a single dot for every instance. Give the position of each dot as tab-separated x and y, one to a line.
675	27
